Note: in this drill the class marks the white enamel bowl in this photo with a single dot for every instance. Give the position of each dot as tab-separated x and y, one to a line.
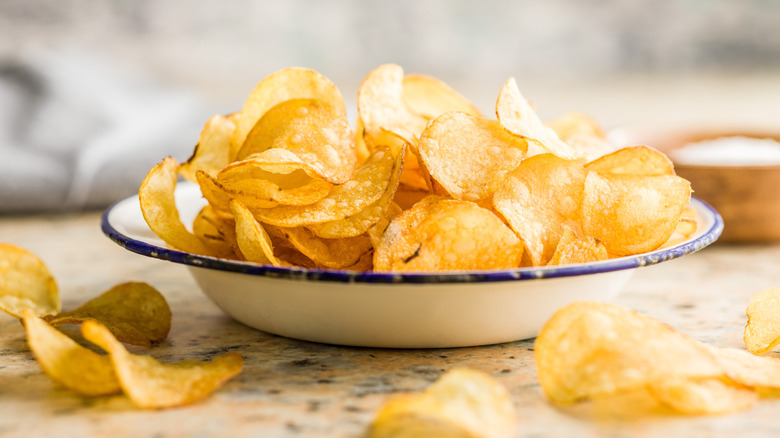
392	310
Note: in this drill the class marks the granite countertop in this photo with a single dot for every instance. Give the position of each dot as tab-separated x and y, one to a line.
295	388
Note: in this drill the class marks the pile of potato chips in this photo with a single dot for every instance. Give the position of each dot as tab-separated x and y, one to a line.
424	182
633	364
133	313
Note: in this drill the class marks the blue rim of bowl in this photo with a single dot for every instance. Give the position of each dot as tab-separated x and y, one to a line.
707	238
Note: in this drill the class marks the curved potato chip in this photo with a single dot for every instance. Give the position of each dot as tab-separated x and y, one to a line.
206	226
312	131
762	332
633	214
330	253
377	230
518	117
359	223
461	403
286	84
590	146
213	151
136	313
429	97
703	396
366	186
590	350
215	194
158	205
538	198
447	235
252	239
25	282
574	249
469	155
576	124
633	160
761	373
67	362
151	384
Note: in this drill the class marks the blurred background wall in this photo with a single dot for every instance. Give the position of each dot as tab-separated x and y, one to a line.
621	61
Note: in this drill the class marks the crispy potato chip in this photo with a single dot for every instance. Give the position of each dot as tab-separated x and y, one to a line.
574	249
762	332
216	195
252	239
67	362
286	84
590	147
330	253
590	350
575	124
367	185
377	230
213	151
633	214
359	223
633	160
703	396
429	97
461	403
158	205
469	155
312	131
761	373
538	198
518	117
447	235
207	227
151	384
136	313
25	282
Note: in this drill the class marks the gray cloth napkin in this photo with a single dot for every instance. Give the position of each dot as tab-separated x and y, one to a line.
77	132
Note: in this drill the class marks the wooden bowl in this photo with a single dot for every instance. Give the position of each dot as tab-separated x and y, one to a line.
747	197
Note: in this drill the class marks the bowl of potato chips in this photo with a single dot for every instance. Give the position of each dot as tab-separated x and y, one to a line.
427	225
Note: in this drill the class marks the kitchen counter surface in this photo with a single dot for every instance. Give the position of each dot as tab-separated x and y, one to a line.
295	388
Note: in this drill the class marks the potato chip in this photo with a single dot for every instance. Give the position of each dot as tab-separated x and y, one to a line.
312	131
590	350
215	194
25	282
575	249
590	147
429	97
518	117
213	151
359	223
762	332
151	384
330	253
68	363
633	214
461	403
575	124
469	155
251	237
377	230
761	373
367	185
444	235
538	198
207	227
633	160
703	396
158	205
136	313
283	85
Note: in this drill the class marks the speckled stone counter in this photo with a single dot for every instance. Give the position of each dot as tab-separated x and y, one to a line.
294	388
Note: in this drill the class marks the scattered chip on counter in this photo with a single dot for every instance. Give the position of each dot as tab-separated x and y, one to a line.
762	332
26	283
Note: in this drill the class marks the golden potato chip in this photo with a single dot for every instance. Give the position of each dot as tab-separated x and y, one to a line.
359	223
469	155
633	160
590	350
286	84
429	97
518	117
761	373
312	131
151	384
461	403
215	194
68	363
633	214
574	249
575	124
376	231
590	147
158	205
442	235
538	198
367	185
251	237
25	282
330	253
213	151
207	227
703	396
762	332
136	313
